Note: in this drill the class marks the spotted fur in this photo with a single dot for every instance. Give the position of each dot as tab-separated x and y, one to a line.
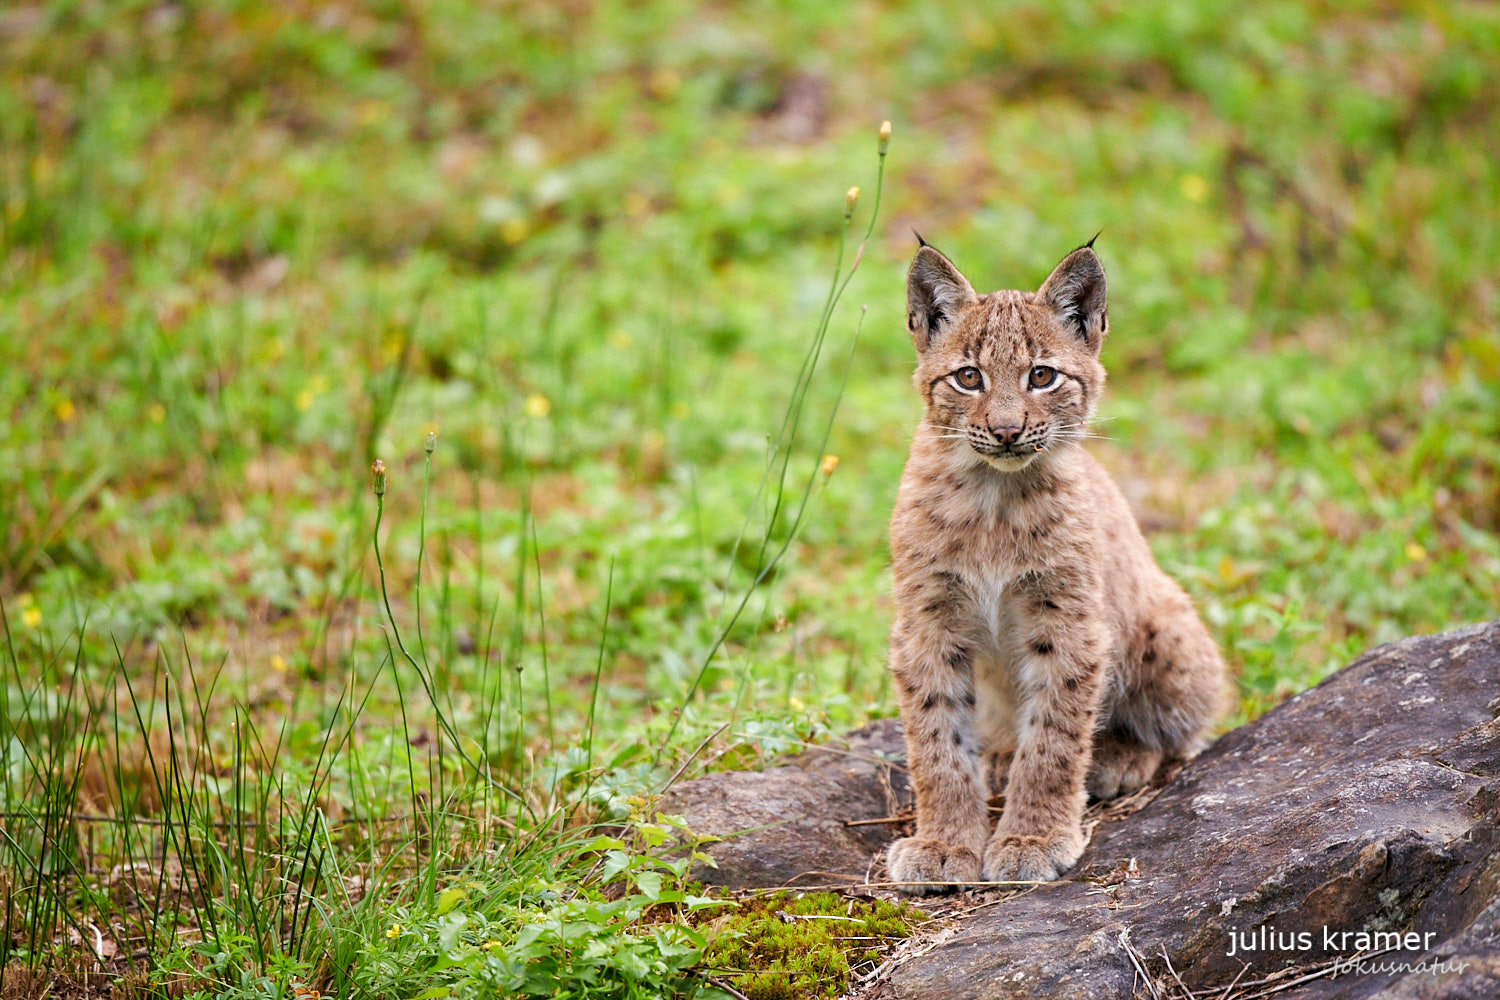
1033	625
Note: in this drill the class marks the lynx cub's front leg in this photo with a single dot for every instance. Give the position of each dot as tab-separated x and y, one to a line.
1063	667
934	676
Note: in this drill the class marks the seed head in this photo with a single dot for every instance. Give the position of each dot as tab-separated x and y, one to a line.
377	473
851	198
431	443
885	137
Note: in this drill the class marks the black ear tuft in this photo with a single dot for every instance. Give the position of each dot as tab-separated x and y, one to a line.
935	292
1090	243
1076	291
920	242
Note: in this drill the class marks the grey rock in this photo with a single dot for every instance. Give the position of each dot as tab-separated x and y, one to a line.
788	825
1368	803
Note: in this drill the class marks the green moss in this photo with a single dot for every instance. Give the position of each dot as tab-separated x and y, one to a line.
790	945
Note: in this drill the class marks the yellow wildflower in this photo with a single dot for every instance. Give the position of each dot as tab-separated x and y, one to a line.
514	231
1195	188
636	204
391	348
664	82
538	405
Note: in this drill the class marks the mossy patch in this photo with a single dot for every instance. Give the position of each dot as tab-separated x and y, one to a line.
804	945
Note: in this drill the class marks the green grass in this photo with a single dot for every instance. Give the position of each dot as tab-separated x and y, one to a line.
247	249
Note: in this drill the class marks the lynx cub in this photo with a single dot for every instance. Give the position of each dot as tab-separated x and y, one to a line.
1032	622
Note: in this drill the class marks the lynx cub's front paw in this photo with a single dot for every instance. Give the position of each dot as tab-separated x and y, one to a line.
1031	859
918	859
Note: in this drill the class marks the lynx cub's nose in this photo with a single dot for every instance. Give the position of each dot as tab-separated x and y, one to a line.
1009	434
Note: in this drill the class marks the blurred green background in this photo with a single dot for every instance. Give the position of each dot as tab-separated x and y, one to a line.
246	248
249	247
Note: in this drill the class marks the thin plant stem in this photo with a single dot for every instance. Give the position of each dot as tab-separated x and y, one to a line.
481	771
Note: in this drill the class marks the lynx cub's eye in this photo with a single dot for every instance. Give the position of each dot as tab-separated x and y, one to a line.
968	377
1043	376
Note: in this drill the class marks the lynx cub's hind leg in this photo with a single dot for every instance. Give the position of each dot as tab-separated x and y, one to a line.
1120	766
1172	689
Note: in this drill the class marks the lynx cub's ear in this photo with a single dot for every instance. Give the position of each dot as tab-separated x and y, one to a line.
935	291
1075	289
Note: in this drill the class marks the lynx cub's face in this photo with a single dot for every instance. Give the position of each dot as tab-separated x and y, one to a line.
1008	376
